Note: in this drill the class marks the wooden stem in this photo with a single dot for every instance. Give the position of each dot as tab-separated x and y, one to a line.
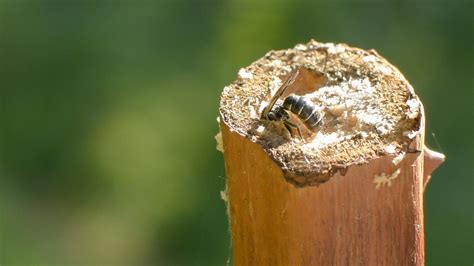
352	193
346	221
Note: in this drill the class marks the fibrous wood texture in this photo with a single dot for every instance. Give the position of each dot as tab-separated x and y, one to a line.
350	193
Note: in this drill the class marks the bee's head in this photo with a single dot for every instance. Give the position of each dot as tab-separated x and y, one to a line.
277	114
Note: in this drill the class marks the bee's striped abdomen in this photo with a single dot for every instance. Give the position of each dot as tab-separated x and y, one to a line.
305	109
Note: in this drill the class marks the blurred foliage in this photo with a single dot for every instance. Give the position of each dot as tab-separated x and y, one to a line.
108	108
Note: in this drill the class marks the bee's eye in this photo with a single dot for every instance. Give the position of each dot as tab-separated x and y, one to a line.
271	116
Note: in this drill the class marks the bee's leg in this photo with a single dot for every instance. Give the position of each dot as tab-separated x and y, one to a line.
290	125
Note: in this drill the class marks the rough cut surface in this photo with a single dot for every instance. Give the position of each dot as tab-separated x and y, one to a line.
369	108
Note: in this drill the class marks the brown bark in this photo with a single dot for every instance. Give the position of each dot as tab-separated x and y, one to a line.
346	221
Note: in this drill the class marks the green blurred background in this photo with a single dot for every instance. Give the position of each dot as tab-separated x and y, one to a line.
108	115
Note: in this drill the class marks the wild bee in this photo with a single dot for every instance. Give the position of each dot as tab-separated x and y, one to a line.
307	111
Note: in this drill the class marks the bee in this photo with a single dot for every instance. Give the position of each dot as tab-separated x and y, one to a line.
307	111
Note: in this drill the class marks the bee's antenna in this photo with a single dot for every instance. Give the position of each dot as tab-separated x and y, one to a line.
325	60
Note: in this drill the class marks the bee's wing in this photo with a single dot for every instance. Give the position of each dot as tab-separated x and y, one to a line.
280	91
